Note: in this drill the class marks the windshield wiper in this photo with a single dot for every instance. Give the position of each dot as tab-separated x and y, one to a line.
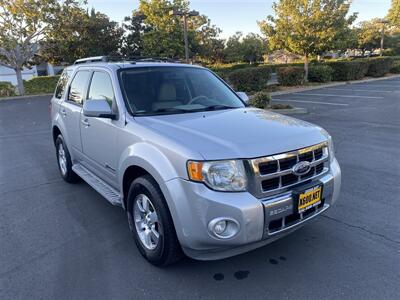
219	106
170	109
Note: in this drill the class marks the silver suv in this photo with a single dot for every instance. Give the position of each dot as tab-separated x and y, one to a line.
196	170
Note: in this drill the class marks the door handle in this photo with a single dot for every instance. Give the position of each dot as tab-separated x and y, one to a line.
63	112
85	122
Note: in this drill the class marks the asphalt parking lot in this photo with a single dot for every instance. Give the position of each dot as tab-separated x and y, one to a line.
61	241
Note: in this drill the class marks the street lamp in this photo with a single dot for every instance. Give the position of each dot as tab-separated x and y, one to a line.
185	15
383	22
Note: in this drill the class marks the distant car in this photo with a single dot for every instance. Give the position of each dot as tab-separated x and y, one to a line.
194	167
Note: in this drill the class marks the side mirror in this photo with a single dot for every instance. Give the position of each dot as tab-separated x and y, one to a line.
243	96
98	109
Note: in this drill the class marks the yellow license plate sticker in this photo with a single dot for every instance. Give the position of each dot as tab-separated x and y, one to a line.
310	198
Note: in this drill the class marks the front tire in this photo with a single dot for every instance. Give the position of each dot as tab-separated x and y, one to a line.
151	223
64	161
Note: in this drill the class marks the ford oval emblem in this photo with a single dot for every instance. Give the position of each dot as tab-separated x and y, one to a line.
301	168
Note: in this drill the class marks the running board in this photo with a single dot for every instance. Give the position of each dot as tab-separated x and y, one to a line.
98	184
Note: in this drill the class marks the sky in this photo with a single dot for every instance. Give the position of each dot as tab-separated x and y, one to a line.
235	15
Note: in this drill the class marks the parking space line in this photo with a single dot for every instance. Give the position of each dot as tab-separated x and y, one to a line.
351	90
340	96
385	85
314	102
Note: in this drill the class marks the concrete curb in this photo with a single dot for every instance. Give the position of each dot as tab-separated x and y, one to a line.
310	88
24	97
290	111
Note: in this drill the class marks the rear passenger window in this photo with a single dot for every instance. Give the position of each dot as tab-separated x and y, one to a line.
78	87
62	83
101	88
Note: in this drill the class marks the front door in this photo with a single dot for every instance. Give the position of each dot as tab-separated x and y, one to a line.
70	111
99	135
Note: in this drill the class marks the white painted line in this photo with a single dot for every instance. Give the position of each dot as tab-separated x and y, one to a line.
314	102
383	85
339	96
351	90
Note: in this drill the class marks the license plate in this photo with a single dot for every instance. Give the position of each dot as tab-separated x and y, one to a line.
310	198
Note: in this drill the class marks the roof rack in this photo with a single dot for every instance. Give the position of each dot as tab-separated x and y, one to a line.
91	59
132	59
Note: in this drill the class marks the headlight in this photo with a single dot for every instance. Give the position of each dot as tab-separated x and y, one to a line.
225	175
331	149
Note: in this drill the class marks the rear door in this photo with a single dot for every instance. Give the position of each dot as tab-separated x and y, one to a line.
99	135
70	110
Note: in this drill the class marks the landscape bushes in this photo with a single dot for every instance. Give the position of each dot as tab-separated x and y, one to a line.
250	79
260	100
348	70
396	67
379	66
320	73
6	89
41	85
290	76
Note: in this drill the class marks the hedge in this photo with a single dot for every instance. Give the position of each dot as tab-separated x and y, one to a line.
320	73
41	85
250	79
379	66
348	70
396	67
6	89
290	76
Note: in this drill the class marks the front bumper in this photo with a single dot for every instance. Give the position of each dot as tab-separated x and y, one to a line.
193	206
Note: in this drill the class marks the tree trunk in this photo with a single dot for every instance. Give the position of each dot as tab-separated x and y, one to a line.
20	82
306	68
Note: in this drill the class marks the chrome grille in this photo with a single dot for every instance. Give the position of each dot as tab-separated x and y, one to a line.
274	174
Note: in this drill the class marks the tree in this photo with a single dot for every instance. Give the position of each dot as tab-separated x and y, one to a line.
210	46
394	13
76	34
234	50
134	27
157	33
249	48
369	35
253	48
308	27
23	23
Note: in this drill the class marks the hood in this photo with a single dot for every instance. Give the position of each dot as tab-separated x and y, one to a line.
235	133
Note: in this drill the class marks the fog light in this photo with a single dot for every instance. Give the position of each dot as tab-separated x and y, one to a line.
220	227
223	228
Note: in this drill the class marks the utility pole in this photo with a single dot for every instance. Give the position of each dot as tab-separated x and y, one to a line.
185	16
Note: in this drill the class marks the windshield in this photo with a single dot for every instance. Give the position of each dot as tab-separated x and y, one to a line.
168	90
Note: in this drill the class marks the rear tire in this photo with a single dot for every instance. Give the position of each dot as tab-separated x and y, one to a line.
64	161
151	223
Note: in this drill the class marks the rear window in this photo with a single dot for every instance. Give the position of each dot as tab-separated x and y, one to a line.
62	83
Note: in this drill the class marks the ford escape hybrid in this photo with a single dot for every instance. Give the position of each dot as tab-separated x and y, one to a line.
196	170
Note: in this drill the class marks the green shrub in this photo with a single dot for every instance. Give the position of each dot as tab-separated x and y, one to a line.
41	85
320	73
348	70
290	76
6	89
379	66
250	79
396	67
260	100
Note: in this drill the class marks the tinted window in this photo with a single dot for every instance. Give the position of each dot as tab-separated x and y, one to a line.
78	87
62	83
154	90
101	87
